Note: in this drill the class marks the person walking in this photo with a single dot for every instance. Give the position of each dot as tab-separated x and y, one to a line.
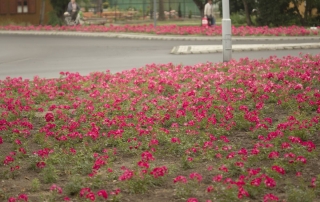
208	12
73	9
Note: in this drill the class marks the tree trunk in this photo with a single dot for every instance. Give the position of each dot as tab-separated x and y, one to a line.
296	8
43	6
161	10
246	10
200	4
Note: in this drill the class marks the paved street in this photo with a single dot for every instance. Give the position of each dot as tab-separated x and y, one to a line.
46	56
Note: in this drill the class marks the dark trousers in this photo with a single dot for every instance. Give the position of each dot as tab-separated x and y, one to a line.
74	15
211	20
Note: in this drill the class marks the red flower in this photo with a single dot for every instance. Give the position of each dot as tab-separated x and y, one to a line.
223	168
180	178
12	199
49	117
256	182
8	160
242	192
54	187
84	190
279	169
18	142
91	196
103	193
270	197
1	140
66	198
175	140
192	200
270	182
197	176
41	164
313	182
147	156
302	159
210	188
127	175
217	178
159	171
23	197
273	155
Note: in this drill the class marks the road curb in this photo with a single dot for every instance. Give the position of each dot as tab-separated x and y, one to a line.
180	50
156	37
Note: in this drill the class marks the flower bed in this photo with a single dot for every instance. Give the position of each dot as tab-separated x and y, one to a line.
176	30
238	131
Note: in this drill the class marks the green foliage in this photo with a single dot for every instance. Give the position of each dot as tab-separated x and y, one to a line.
59	6
54	20
238	19
300	195
74	186
275	13
49	174
35	185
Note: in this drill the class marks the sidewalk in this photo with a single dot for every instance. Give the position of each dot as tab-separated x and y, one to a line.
160	37
185	49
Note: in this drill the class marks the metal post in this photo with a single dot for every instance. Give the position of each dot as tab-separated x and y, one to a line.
155	12
226	31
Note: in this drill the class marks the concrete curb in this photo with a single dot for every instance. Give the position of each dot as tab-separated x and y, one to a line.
156	37
238	48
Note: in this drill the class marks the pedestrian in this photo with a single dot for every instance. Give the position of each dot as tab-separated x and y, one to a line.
208	12
73	9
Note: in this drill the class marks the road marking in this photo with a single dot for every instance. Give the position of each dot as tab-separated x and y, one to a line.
13	61
194	49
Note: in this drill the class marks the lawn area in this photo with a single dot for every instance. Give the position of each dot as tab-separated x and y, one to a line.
245	130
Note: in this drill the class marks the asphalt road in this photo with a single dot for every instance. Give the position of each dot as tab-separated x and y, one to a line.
45	56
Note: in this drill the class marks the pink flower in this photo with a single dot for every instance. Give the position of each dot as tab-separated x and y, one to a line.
301	159
83	191
49	117
41	164
12	199
147	156
242	192
270	182
180	178
273	155
23	197
313	182
256	182
127	175
279	169
159	171
223	168
1	140
192	200
210	188
18	142
175	140
197	176
54	187
91	196
66	198
103	193
269	198
217	178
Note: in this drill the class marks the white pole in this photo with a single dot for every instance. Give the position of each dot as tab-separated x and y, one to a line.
226	31
155	13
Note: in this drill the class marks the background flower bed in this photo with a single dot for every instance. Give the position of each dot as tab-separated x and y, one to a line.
238	131
176	30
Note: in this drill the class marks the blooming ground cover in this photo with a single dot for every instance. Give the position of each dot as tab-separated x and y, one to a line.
238	131
176	30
